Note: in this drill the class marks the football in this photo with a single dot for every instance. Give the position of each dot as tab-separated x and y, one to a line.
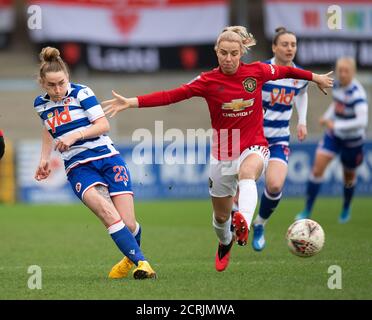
305	238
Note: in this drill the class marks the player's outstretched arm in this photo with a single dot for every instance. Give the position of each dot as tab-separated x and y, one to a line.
323	81
154	99
271	72
43	169
118	103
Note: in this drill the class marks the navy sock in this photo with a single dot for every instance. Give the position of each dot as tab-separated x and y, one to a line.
125	241
348	195
137	235
269	201
313	187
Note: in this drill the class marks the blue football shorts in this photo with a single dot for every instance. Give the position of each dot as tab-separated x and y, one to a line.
279	152
350	151
111	172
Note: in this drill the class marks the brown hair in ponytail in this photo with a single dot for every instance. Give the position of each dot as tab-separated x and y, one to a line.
279	32
51	61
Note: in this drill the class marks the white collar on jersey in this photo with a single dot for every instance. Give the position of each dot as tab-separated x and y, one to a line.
272	61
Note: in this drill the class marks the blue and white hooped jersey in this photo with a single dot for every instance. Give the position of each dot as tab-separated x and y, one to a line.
278	98
76	111
349	110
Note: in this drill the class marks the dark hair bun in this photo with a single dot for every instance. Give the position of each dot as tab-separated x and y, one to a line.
280	29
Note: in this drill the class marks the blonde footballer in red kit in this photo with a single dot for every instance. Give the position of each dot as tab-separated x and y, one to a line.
233	92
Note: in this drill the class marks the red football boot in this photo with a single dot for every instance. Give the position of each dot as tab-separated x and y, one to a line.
240	228
223	256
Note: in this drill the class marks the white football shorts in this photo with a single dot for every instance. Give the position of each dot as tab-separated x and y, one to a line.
223	176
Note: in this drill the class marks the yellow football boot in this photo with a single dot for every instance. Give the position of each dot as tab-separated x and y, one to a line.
121	269
144	271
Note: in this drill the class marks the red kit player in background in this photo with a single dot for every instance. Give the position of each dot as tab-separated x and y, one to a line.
233	94
2	144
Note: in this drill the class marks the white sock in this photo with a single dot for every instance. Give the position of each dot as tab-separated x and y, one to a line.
135	232
247	199
223	230
235	206
116	226
260	220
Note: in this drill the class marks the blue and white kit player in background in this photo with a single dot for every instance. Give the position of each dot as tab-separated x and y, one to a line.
75	123
278	99
346	121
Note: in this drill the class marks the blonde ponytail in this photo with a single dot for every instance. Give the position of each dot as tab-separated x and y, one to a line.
238	34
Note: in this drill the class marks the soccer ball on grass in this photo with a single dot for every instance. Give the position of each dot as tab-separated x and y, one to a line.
305	238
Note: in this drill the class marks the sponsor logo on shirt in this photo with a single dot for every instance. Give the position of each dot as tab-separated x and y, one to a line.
250	84
67	101
56	119
238	104
282	97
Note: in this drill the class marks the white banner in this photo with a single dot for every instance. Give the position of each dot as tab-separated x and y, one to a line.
131	22
320	18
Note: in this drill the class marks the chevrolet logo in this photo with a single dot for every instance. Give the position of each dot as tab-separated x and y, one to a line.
238	104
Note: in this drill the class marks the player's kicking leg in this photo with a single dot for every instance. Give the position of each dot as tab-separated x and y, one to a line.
125	206
239	225
124	266
120	196
98	200
253	162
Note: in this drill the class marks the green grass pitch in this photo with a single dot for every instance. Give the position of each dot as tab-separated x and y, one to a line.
75	254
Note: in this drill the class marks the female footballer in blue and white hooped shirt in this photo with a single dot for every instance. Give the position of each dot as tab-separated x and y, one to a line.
346	121
75	123
278	99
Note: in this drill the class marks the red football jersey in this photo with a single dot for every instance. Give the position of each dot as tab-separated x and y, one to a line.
234	102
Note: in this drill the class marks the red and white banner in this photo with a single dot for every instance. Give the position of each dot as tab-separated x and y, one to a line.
318	18
131	22
6	16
